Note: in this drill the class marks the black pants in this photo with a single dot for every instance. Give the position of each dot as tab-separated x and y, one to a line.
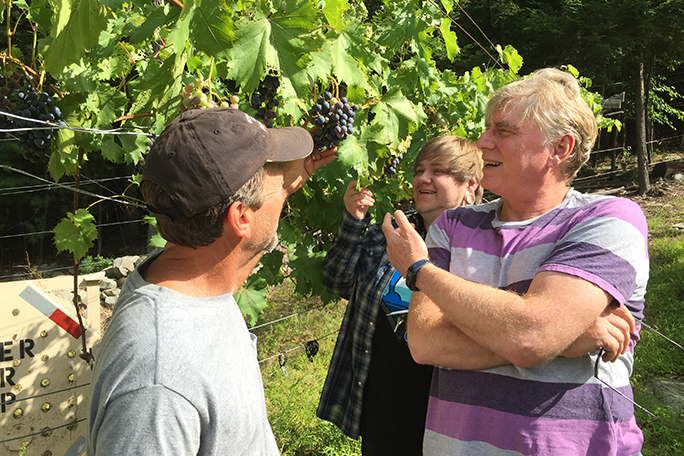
395	398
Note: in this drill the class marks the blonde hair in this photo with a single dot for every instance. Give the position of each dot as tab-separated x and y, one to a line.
461	157
551	98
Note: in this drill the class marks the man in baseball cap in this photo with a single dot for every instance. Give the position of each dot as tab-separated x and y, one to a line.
176	371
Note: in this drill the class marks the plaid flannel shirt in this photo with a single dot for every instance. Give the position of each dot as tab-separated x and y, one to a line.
356	268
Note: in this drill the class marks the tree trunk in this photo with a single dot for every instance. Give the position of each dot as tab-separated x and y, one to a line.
640	124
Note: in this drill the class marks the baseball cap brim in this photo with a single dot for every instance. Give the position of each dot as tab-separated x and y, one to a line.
290	143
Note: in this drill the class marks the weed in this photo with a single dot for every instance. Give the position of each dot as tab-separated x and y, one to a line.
94	264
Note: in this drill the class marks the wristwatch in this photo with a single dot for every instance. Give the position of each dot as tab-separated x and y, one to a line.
413	272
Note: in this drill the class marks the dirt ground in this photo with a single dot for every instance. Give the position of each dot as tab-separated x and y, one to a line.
665	201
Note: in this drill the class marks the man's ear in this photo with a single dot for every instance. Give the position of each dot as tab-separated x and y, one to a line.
239	218
561	150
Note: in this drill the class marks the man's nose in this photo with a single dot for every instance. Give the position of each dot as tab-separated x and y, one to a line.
485	140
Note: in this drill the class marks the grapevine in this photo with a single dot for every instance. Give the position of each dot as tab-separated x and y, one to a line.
19	96
332	119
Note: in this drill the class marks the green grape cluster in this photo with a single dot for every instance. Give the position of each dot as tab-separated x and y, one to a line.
194	97
264	100
19	96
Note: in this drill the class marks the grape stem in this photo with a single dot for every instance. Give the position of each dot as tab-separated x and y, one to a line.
156	32
208	81
17	23
129	54
336	87
131	116
9	28
29	70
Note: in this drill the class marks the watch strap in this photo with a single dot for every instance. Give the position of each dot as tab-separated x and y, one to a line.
413	272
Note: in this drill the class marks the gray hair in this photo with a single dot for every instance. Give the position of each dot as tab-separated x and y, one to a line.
551	98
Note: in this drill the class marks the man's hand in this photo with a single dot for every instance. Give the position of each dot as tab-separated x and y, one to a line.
295	173
358	202
610	330
404	244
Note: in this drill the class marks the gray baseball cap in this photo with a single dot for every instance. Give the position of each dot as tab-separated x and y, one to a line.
205	155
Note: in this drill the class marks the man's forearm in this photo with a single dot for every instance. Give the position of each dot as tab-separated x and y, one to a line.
435	341
527	330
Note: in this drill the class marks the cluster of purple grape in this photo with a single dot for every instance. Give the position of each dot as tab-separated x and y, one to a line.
151	137
333	120
19	96
195	98
264	99
391	166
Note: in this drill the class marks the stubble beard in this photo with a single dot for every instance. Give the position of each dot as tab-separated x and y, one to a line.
263	245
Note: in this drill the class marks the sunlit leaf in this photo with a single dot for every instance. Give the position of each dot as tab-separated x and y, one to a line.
85	19
75	233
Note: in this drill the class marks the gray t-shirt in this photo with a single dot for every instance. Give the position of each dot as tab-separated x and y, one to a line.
177	375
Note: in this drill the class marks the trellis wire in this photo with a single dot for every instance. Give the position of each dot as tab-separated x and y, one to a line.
24	188
48	232
54	126
83	192
285	318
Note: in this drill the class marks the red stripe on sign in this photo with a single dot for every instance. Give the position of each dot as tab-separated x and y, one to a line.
66	323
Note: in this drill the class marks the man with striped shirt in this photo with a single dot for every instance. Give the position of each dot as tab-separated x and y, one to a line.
509	306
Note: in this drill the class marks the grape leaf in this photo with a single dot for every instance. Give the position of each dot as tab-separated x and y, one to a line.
307	271
75	233
447	5
271	263
397	114
211	29
106	103
85	19
38	12
155	240
154	19
511	57
251	53
80	77
333	11
292	38
123	148
162	83
449	37
361	50
419	73
251	298
62	160
343	66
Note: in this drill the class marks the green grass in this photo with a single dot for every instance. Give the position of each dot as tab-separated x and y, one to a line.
656	358
292	400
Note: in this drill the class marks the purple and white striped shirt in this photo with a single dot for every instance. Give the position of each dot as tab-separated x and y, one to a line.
557	407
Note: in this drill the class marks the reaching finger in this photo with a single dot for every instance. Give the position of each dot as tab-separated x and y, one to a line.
402	221
387	227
